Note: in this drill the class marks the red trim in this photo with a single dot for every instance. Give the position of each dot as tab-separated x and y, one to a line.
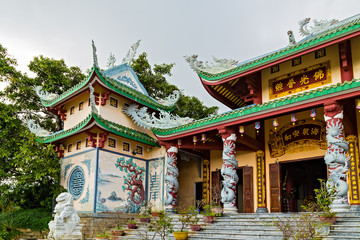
284	59
104	97
59	151
346	66
102	139
91	138
274	112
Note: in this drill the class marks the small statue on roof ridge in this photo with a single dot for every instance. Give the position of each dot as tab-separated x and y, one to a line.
94	54
292	41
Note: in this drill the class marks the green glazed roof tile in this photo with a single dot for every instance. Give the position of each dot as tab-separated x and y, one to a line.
310	41
118	87
261	107
108	125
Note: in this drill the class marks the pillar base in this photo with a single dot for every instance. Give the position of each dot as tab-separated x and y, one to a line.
340	207
230	209
262	210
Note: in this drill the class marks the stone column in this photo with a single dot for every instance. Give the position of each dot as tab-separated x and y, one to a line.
172	184
260	182
335	157
354	172
228	171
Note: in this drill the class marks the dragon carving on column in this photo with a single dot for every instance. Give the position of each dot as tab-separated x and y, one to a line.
172	184
335	156
228	171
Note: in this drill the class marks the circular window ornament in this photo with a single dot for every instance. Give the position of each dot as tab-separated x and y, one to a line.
77	182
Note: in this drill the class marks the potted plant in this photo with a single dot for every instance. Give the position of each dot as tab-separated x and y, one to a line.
102	235
117	231
131	224
216	207
162	225
208	216
194	221
145	211
324	198
185	219
321	206
156	212
144	218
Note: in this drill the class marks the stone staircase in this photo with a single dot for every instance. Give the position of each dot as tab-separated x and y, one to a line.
257	226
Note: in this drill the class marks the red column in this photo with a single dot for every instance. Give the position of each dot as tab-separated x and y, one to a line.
228	171
336	158
172	173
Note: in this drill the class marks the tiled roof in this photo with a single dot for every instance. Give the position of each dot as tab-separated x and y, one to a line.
337	30
258	108
108	125
118	87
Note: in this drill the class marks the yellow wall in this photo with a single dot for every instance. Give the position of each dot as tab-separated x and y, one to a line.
332	55
78	116
355	54
188	176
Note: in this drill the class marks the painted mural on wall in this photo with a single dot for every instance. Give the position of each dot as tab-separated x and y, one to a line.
77	175
156	182
120	183
305	135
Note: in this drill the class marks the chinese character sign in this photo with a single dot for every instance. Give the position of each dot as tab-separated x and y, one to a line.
300	80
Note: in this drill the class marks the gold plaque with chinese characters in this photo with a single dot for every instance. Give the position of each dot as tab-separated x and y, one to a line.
300	80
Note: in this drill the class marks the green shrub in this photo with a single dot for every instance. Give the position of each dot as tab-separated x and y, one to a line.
34	219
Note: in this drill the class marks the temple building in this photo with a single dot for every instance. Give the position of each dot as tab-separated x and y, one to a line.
294	120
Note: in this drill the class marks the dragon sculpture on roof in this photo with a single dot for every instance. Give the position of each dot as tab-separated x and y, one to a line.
318	26
219	66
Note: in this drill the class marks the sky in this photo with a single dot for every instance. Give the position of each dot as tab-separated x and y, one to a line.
168	29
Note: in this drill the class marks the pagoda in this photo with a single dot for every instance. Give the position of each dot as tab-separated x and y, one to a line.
108	161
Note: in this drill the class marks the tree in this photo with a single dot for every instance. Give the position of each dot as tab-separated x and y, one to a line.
29	170
52	75
155	83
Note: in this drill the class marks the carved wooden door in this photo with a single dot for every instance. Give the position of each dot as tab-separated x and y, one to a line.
248	195
275	188
215	186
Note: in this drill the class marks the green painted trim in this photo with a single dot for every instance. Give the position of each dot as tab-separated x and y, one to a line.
117	87
261	107
316	40
108	125
133	94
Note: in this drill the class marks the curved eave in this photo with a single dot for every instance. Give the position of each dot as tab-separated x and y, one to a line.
269	109
317	42
94	119
111	85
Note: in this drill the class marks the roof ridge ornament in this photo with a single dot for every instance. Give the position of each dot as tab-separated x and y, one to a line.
36	129
131	53
44	95
220	65
165	120
171	99
92	100
94	54
111	61
318	26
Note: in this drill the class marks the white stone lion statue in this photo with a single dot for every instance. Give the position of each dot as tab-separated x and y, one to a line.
66	223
